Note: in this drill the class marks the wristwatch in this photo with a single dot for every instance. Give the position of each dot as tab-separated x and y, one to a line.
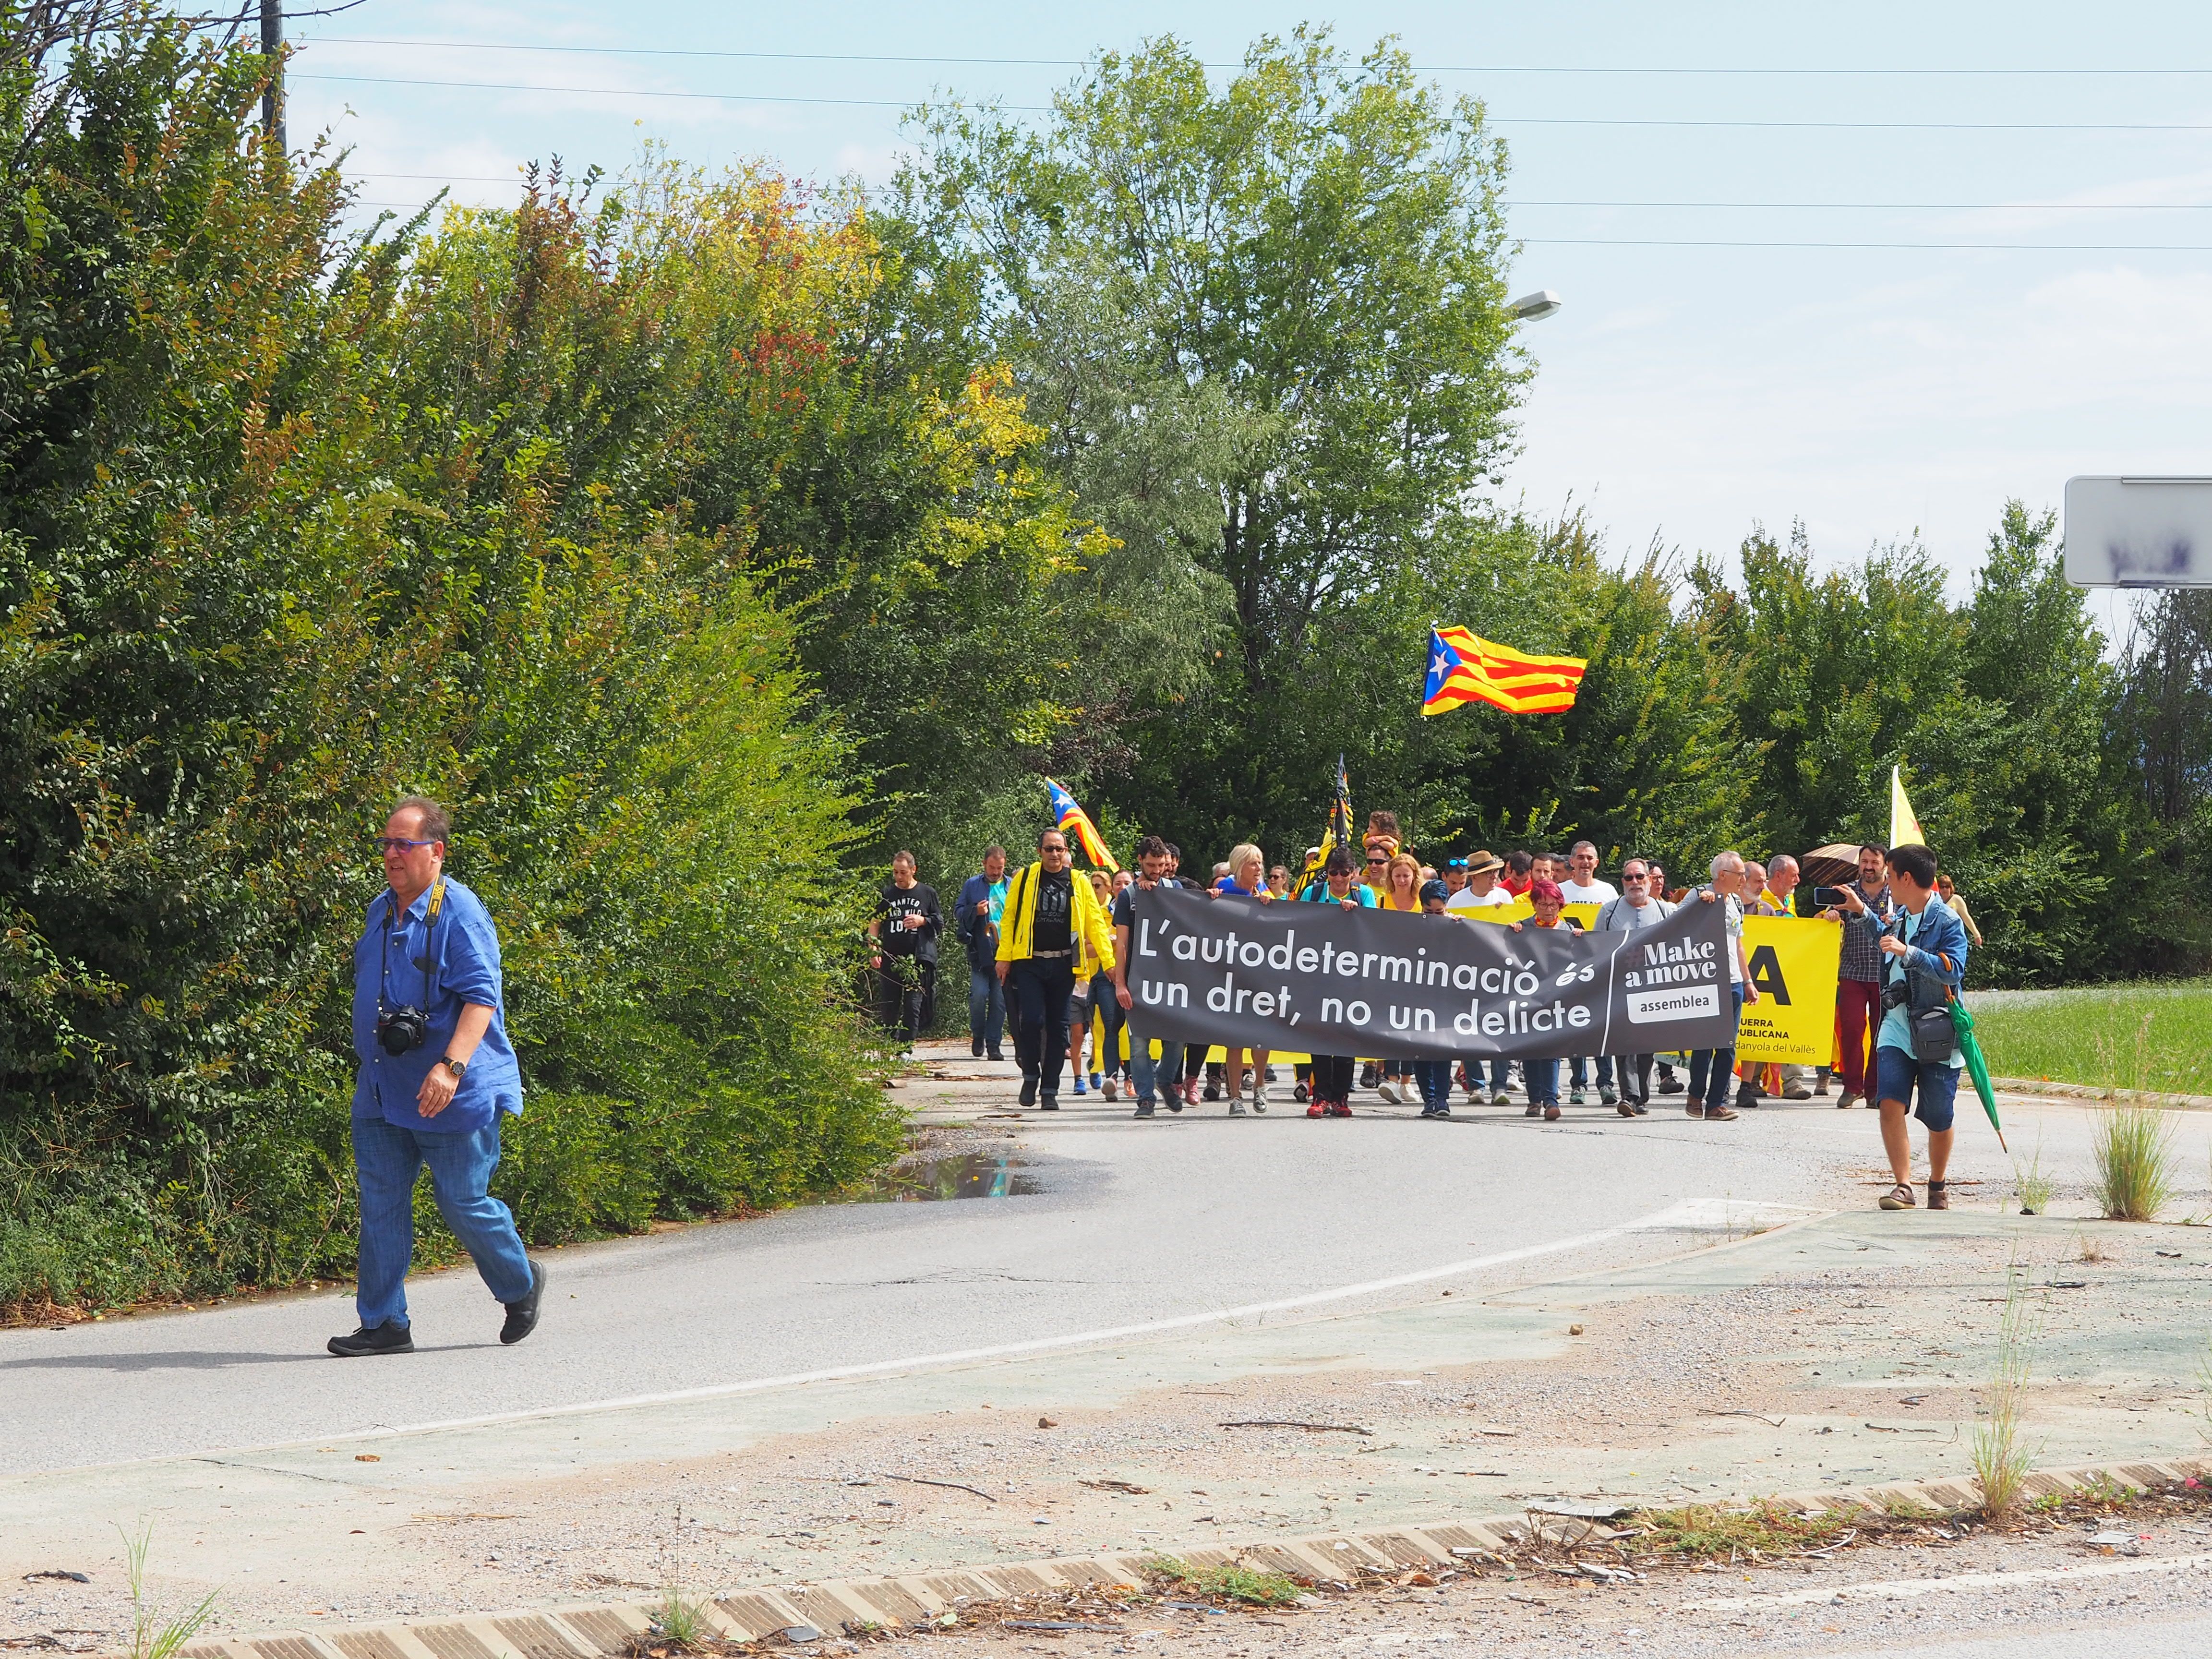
458	1067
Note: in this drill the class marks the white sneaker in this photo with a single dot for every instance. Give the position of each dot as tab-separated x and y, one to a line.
1388	1088
1260	1099
1236	1106
1107	1089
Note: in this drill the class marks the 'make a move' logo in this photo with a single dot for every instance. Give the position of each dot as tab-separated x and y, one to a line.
1679	981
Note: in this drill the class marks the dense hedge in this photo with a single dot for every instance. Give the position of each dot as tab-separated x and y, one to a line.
292	522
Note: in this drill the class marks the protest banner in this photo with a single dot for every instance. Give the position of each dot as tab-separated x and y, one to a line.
1793	962
1319	978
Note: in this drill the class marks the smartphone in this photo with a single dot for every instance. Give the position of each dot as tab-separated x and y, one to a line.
1827	898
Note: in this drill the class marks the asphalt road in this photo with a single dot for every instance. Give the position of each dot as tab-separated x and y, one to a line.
1137	1223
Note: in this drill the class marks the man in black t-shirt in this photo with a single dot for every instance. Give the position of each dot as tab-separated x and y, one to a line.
905	931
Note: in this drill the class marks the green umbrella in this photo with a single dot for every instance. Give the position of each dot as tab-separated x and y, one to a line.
1977	1067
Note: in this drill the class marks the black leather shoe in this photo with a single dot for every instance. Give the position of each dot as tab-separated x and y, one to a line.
1049	1104
386	1338
522	1316
1028	1091
975	1048
995	1054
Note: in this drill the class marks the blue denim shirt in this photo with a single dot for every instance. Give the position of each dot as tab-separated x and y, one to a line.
437	968
1935	934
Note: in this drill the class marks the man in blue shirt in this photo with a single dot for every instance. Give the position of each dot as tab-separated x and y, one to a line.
976	920
437	1073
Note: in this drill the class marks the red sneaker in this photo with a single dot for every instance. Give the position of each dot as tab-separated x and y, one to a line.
1318	1109
1340	1109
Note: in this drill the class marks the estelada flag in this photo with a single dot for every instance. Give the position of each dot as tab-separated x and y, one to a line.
1465	669
1338	832
1074	822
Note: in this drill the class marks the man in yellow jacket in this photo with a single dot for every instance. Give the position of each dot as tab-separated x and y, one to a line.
1047	911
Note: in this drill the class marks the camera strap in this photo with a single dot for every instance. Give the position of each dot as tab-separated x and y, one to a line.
425	963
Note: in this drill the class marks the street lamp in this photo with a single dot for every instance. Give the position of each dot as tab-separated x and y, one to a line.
1530	307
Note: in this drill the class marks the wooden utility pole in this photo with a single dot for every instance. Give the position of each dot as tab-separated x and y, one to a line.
272	48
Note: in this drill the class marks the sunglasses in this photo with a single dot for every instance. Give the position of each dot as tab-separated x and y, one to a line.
398	843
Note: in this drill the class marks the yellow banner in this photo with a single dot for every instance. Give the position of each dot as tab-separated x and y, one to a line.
1519	910
1585	913
1793	963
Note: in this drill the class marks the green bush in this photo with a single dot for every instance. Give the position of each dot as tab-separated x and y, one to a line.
296	522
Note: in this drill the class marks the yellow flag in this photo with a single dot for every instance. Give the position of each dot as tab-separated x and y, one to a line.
1904	828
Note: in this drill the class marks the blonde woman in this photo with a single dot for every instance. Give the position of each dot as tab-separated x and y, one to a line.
1247	879
1401	891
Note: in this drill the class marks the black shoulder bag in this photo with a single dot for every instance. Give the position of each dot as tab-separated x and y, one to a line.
1933	1032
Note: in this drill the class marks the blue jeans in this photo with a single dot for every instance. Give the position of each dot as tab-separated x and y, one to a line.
1713	1070
1543	1079
987	1005
1435	1077
1579	1077
1145	1071
1495	1085
386	1159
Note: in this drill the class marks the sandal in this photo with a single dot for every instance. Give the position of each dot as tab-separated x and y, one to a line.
1720	1115
1899	1197
1937	1198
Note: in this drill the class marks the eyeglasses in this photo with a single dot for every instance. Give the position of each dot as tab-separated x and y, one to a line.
1636	876
398	843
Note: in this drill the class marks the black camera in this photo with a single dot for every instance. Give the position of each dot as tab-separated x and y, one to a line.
1892	994
401	1030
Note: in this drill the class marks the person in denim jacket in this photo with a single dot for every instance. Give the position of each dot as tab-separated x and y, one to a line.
1923	951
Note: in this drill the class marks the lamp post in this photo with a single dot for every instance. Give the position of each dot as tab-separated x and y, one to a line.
1530	308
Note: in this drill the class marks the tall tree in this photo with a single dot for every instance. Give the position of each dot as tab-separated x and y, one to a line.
1266	323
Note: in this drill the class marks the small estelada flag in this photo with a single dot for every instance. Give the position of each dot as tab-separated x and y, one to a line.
1465	669
1073	822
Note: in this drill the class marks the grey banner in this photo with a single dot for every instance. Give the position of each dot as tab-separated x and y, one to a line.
1320	979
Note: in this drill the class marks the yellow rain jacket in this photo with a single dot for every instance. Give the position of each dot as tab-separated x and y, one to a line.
1087	923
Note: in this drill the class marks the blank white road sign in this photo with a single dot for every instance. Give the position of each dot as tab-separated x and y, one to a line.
2139	532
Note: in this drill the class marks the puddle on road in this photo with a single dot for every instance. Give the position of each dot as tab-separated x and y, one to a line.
975	1175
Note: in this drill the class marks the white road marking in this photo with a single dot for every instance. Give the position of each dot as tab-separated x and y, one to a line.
1891	1590
1697	1212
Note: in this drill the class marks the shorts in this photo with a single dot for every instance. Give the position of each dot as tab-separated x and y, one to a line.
1896	1072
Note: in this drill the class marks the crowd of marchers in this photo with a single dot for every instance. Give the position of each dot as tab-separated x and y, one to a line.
1045	947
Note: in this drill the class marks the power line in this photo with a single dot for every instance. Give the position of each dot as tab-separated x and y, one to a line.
1498	120
1855	126
1969	247
1905	207
1084	63
640	92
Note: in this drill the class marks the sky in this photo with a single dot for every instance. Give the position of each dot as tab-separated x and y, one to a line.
1874	269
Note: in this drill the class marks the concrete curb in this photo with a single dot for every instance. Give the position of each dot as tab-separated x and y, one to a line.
2022	1085
596	1630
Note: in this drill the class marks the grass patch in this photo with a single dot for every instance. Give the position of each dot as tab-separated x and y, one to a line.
2133	1147
2001	1457
2160	1035
156	1632
1253	1586
1702	1532
2032	1186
